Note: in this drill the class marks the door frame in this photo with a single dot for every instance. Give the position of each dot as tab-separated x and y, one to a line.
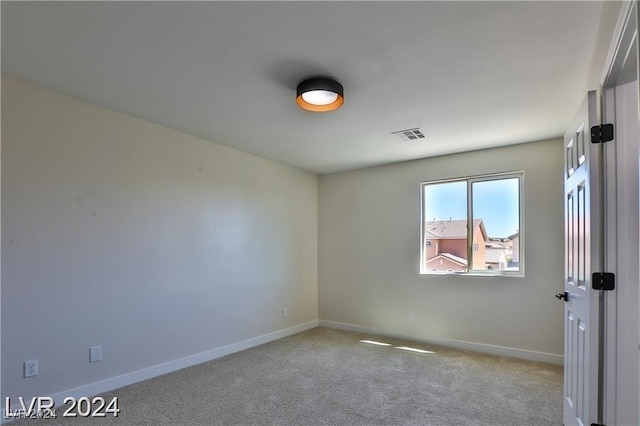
621	66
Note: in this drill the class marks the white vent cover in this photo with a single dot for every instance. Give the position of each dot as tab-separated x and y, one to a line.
409	134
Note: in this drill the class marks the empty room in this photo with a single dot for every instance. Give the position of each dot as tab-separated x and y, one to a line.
316	212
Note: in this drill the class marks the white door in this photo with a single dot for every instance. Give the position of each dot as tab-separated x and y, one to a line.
581	243
623	319
622	246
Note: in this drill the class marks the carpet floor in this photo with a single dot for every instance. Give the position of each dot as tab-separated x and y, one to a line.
332	377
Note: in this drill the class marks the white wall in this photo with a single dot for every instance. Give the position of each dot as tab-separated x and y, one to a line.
369	243
152	243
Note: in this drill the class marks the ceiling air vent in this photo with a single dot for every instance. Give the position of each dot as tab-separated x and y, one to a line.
409	134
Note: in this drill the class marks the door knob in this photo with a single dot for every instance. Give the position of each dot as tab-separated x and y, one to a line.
563	296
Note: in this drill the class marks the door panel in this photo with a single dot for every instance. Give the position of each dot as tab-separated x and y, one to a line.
581	326
622	254
621	107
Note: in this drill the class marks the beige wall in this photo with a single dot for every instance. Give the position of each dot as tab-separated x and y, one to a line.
152	243
369	250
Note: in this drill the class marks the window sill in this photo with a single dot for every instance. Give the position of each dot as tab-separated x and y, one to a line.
473	274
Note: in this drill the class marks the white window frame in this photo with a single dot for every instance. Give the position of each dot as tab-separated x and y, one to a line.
470	180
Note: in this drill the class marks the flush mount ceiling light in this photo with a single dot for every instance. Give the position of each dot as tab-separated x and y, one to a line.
320	95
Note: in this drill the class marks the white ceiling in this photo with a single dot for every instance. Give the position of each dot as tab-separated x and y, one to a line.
470	74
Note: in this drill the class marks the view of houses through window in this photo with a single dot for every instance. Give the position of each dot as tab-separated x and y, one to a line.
472	225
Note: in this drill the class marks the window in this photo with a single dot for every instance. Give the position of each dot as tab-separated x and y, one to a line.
473	225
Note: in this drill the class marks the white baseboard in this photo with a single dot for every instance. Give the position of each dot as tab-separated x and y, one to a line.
458	344
116	382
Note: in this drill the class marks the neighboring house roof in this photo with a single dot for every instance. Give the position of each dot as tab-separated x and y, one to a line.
452	229
493	255
494	245
499	244
428	233
517	234
451	257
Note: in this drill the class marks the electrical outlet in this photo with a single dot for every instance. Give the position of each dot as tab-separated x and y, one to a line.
410	315
31	368
284	312
95	353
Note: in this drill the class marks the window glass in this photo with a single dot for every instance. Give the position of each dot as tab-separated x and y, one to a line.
472	225
496	218
445	227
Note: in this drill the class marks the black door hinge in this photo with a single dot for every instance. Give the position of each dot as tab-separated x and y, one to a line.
597	424
603	281
602	133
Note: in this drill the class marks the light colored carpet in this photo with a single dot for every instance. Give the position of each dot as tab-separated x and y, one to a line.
329	377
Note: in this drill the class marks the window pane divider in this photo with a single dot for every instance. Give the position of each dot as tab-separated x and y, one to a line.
469	226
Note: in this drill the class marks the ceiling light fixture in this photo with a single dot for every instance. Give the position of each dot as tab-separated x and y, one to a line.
320	95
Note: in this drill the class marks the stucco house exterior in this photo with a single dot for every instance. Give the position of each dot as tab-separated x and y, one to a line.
515	247
495	258
446	245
